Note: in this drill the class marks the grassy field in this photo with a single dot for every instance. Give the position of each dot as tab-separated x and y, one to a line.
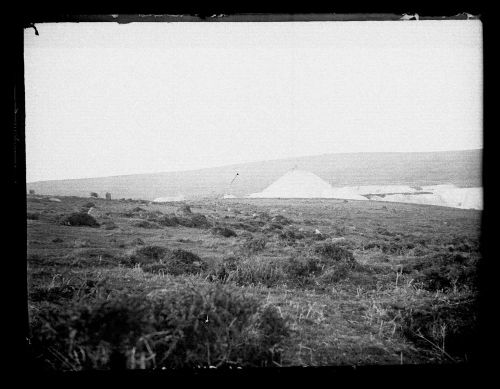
254	282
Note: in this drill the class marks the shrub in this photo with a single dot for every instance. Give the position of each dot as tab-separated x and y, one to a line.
32	216
31	191
182	262
336	273
279	219
223	231
186	209
301	269
199	220
137	242
393	246
144	255
451	326
445	271
145	224
212	326
88	205
223	269
255	244
253	271
331	253
168	220
94	194
290	235
79	219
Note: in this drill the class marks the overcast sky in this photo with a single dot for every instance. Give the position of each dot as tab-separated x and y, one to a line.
107	99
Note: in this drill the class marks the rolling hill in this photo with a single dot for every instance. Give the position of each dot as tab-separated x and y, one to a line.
460	168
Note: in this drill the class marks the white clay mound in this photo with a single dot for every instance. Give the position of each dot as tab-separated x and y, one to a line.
297	184
302	184
169	199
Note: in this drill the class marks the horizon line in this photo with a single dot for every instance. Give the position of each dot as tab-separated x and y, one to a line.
251	162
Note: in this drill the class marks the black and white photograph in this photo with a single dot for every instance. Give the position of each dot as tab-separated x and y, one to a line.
224	193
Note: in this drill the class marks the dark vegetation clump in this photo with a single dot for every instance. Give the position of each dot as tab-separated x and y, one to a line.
145	254
302	269
392	246
177	262
290	235
137	209
463	244
94	194
225	268
244	226
56	294
79	219
137	242
145	224
185	209
188	220
182	328
31	191
88	205
324	264
196	220
168	220
319	237
250	271
445	271
223	231
439	326
331	254
32	216
255	244
281	220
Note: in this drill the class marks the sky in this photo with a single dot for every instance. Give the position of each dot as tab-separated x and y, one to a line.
106	99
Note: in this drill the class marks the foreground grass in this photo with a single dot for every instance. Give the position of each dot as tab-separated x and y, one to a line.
380	284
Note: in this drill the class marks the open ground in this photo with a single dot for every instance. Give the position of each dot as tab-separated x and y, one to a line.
250	282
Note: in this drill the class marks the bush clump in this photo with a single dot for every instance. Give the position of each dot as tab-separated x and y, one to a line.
32	216
197	220
223	231
301	269
332	253
79	219
183	328
451	326
145	254
188	220
185	209
250	271
145	224
168	220
255	244
445	270
137	242
179	262
290	235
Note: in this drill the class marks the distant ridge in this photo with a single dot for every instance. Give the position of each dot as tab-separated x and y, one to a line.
460	168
